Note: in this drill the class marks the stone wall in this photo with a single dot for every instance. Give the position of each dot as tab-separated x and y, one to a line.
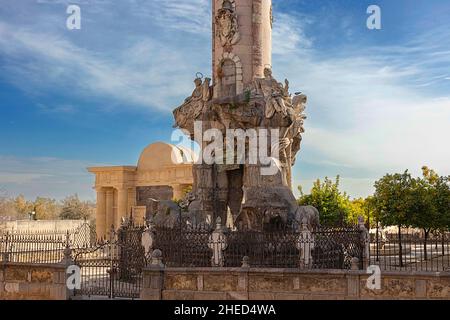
287	284
32	282
60	226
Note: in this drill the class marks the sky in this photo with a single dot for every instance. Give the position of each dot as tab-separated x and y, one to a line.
378	100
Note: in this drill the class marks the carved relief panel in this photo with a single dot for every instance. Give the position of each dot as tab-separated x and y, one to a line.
227	27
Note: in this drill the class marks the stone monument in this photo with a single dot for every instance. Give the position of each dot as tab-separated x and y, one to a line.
243	95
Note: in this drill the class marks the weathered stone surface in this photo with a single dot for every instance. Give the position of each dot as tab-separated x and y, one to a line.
210	296
289	296
12	287
421	288
220	283
264	296
181	282
323	284
178	295
16	274
322	297
390	287
270	283
148	294
42	276
237	296
439	289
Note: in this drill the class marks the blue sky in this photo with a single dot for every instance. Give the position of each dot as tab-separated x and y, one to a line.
379	100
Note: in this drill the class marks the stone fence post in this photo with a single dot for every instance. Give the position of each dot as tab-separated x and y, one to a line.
364	243
67	261
218	243
6	251
148	240
153	278
305	244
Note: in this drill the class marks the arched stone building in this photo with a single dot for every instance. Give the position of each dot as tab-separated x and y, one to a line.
164	171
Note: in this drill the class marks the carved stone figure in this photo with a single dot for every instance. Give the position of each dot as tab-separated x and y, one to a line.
227	27
193	105
309	213
275	94
297	129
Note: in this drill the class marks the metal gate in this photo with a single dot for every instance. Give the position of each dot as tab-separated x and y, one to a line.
112	269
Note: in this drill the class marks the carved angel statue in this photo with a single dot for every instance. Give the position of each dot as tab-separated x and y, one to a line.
276	95
227	27
193	105
298	108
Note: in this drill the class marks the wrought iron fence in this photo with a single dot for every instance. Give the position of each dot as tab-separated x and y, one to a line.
202	246
184	246
43	246
193	246
411	251
32	248
113	268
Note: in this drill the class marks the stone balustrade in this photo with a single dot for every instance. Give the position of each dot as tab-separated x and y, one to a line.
287	284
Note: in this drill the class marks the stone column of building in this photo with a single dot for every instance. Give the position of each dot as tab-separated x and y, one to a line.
109	208
101	213
122	205
131	201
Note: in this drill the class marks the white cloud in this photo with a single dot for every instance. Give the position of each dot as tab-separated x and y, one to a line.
368	108
48	177
288	35
364	111
192	16
147	74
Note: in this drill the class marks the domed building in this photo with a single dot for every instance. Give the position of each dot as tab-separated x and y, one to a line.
163	172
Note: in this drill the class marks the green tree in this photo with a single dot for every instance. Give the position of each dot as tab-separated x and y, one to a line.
423	209
439	189
362	207
393	197
334	206
75	209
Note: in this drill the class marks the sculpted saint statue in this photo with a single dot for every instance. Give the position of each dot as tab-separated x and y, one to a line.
297	129
193	105
276	95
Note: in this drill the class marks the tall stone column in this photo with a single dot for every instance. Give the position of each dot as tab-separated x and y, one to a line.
101	213
109	209
122	205
131	200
